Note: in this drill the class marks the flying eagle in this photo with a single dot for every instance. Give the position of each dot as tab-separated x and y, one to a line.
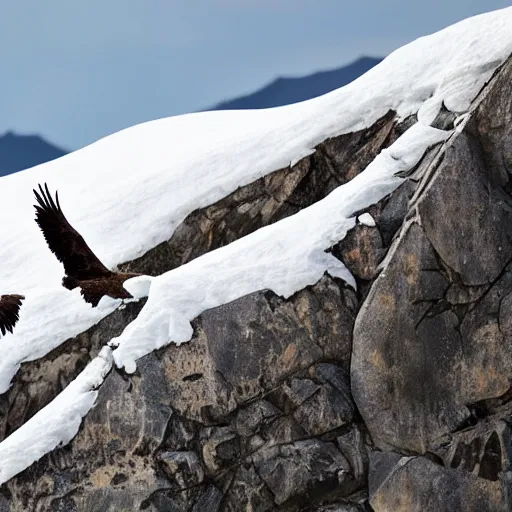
9	309
83	269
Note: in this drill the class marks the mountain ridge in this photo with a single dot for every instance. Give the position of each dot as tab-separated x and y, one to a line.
18	152
286	90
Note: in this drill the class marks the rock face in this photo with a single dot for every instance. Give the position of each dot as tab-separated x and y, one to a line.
393	398
431	361
272	198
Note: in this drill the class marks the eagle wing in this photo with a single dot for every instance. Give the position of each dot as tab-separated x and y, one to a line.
9	309
64	241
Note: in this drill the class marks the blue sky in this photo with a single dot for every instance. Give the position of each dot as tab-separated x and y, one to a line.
77	71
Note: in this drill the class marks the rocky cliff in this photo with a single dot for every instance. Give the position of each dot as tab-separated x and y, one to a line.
393	398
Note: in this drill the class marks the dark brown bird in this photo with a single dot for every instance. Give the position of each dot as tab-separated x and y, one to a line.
83	269
9	309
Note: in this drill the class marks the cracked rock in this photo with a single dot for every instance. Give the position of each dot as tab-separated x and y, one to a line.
326	407
418	484
221	447
183	467
301	468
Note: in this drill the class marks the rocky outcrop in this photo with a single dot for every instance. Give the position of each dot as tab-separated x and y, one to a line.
431	362
271	198
204	422
258	204
426	485
395	397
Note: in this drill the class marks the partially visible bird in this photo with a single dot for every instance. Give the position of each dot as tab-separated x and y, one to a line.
83	269
9	312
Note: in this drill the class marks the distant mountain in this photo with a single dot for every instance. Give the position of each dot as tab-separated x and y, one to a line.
284	91
19	152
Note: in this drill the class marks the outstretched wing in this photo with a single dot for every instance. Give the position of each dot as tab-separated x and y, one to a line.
9	309
64	241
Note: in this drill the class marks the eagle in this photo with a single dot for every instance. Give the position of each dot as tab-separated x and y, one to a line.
9	309
82	268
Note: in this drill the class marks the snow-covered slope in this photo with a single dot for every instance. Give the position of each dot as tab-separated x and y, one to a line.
57	423
128	192
284	257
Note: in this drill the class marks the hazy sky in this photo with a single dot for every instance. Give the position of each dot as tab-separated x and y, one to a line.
76	71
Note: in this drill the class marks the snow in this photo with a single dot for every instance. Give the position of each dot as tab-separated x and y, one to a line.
284	257
138	287
128	192
367	220
55	424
